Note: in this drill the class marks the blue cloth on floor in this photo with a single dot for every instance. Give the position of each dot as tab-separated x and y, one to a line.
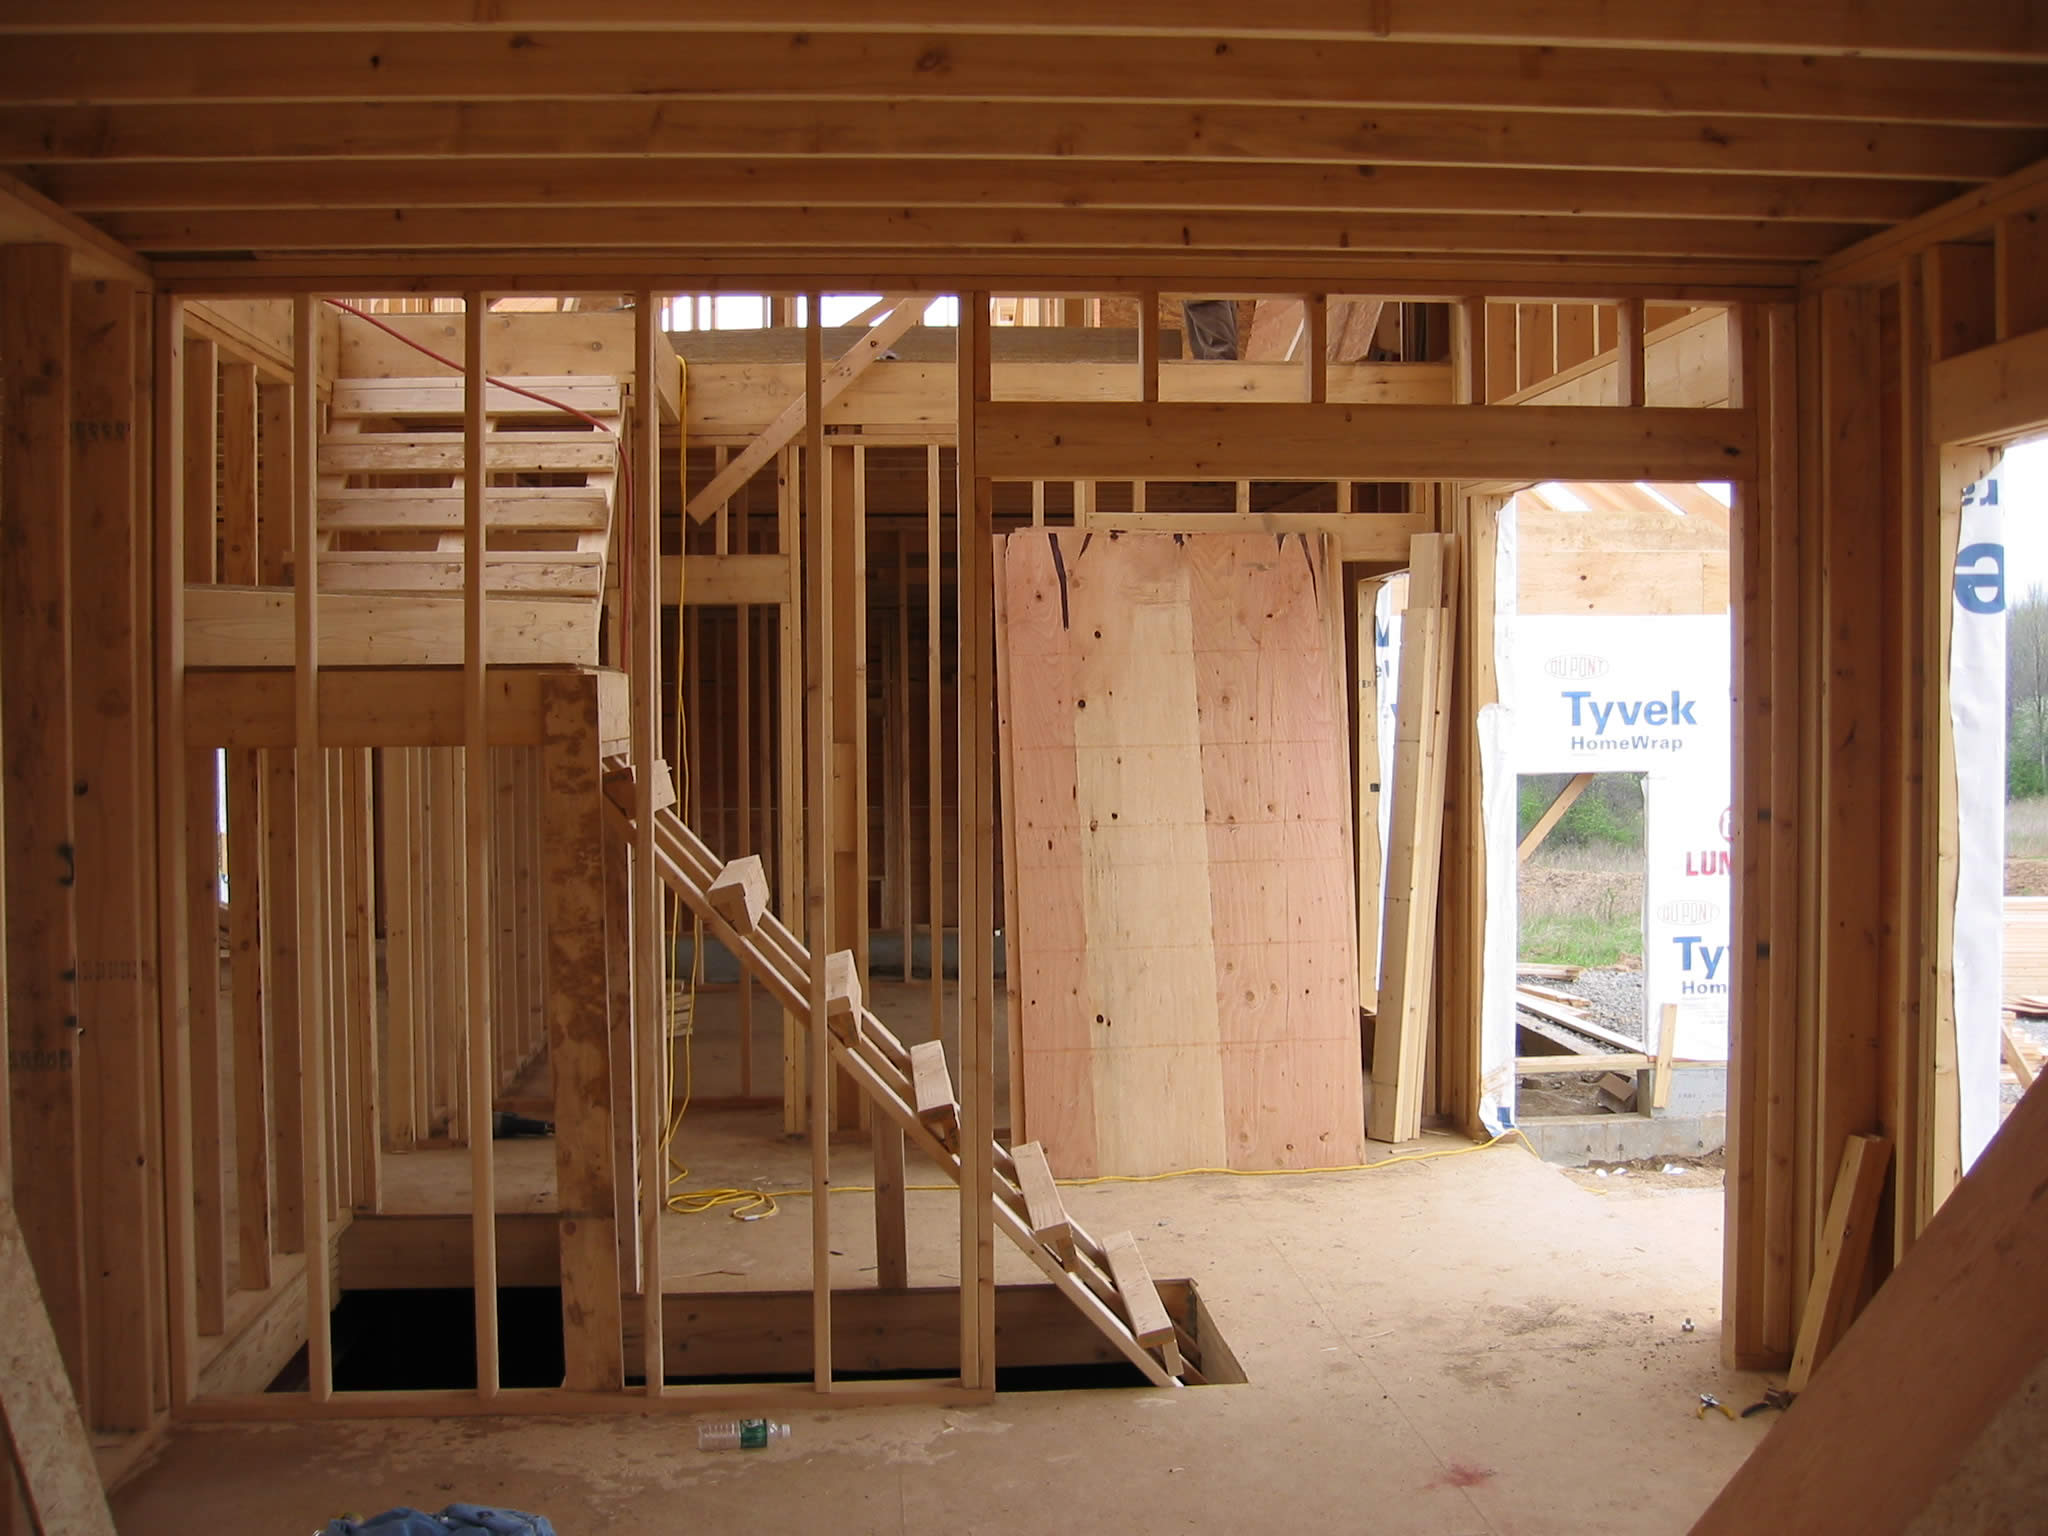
455	1520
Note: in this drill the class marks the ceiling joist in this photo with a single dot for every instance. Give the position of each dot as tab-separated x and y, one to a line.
1588	148
1904	28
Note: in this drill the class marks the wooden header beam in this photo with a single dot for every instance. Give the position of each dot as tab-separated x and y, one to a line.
1343	442
29	218
1991	395
374	707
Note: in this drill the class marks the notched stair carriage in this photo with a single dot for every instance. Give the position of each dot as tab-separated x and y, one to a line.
1107	1279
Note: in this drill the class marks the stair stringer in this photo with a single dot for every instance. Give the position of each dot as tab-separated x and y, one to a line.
879	1063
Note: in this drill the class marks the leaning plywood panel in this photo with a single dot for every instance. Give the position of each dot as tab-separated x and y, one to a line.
1184	915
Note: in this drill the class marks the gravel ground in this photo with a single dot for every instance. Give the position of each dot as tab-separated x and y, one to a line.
1613	998
1616	999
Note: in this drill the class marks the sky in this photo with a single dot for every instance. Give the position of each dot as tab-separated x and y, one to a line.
2024	492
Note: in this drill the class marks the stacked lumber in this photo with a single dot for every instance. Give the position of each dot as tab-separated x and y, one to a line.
1415	841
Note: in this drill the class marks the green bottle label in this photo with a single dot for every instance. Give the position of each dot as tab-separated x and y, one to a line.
753	1434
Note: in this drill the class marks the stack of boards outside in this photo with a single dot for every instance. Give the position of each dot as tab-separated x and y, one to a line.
1177	829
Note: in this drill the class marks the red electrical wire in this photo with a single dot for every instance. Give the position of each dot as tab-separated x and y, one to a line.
625	459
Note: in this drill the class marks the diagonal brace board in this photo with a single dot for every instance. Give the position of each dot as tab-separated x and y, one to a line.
37	1411
839	378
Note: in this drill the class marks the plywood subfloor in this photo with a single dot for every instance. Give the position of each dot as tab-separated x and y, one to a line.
1471	1345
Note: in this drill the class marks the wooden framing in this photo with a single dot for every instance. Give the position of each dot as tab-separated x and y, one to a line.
1839	190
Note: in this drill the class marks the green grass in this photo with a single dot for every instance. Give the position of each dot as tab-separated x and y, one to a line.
1578	938
2026	829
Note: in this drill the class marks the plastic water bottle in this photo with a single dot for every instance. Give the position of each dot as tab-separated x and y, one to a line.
739	1434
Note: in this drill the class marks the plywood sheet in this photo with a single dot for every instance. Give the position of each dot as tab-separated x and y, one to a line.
1185	928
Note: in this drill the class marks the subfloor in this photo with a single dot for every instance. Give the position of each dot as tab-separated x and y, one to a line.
1469	1344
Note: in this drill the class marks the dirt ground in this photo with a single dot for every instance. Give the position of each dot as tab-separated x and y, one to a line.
1584	890
2026	877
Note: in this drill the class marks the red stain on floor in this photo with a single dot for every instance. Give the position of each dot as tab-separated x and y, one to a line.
1459	1475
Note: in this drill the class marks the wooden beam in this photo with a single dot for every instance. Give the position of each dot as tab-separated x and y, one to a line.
1844	1251
1408	941
241	494
648	1028
819	808
252	627
1667	1036
1633	386
746	230
310	813
637	64
841	377
1106	130
39	1413
29	218
1955	1330
1992	395
412	184
202	860
1566	799
42	1019
109	677
572	899
974	589
721	581
1045	1212
173	972
477	802
1340	442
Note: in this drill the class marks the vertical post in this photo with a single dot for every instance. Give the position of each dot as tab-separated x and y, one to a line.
202	865
1632	386
818	838
1468	352
1148	391
35	705
905	842
311	769
572	895
975	556
107	680
241	474
275	484
650	1026
934	737
1148	346
477	802
1367	770
789	759
847	693
174	995
743	781
401	1064
1316	341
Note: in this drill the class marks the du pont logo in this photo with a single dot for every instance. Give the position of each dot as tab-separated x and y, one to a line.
1691	914
1577	668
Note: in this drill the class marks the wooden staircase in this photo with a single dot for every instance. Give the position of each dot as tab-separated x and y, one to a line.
1107	1280
390	514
